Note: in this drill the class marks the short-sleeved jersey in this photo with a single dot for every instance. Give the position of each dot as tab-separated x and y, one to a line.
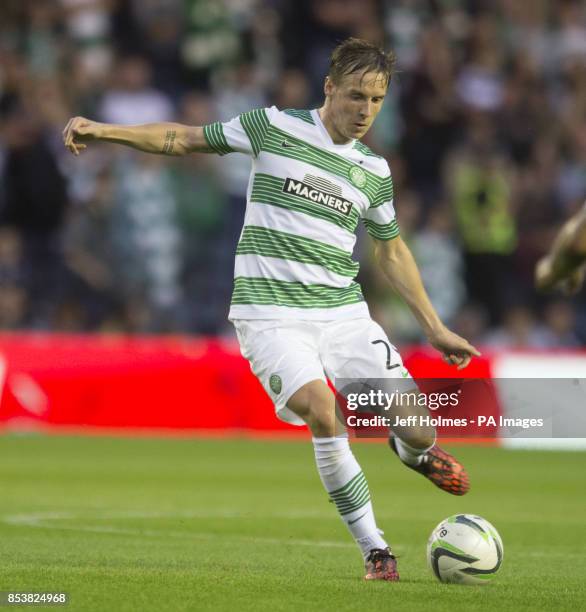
305	198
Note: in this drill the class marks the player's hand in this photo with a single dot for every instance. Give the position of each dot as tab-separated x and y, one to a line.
78	131
455	350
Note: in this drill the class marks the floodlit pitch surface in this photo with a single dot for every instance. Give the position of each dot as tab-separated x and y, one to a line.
175	524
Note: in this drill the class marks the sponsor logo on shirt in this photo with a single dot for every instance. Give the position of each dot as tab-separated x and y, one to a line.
289	145
318	196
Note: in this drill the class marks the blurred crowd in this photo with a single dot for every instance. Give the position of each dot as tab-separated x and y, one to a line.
484	128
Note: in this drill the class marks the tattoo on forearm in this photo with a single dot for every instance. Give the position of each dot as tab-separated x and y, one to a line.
169	141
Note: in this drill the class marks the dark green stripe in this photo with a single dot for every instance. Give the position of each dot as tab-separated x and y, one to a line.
385	193
359	503
255	124
357	507
349	488
382	232
260	298
293	294
356	494
348	505
214	135
304	115
347	485
273	243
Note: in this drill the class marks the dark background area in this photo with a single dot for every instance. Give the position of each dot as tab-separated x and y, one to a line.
484	128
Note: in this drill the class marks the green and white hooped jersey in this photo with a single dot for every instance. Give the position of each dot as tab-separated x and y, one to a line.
304	200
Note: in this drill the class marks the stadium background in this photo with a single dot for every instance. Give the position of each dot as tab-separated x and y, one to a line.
116	272
484	128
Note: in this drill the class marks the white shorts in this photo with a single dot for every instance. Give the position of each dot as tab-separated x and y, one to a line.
287	354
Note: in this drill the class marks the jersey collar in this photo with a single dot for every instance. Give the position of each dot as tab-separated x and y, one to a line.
325	135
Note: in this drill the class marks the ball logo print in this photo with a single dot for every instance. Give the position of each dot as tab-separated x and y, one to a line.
465	549
275	383
357	176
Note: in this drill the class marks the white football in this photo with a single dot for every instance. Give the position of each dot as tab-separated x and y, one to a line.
465	549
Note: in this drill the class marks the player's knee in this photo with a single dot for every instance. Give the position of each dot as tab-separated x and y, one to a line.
320	417
322	423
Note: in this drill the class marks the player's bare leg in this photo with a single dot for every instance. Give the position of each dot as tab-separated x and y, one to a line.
342	477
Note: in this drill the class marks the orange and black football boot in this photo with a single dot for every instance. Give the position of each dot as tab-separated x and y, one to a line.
381	565
441	468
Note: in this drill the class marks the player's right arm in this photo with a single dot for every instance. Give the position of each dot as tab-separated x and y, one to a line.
161	138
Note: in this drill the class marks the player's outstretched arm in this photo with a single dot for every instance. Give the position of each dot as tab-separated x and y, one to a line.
161	138
565	264
399	267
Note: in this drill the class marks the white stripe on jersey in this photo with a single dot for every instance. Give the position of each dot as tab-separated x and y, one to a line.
334	313
382	214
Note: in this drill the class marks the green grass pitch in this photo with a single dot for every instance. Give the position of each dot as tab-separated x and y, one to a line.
175	524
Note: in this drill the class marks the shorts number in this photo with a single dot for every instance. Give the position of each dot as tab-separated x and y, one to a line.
389	366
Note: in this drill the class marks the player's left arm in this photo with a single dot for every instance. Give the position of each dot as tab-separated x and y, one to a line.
398	265
565	264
